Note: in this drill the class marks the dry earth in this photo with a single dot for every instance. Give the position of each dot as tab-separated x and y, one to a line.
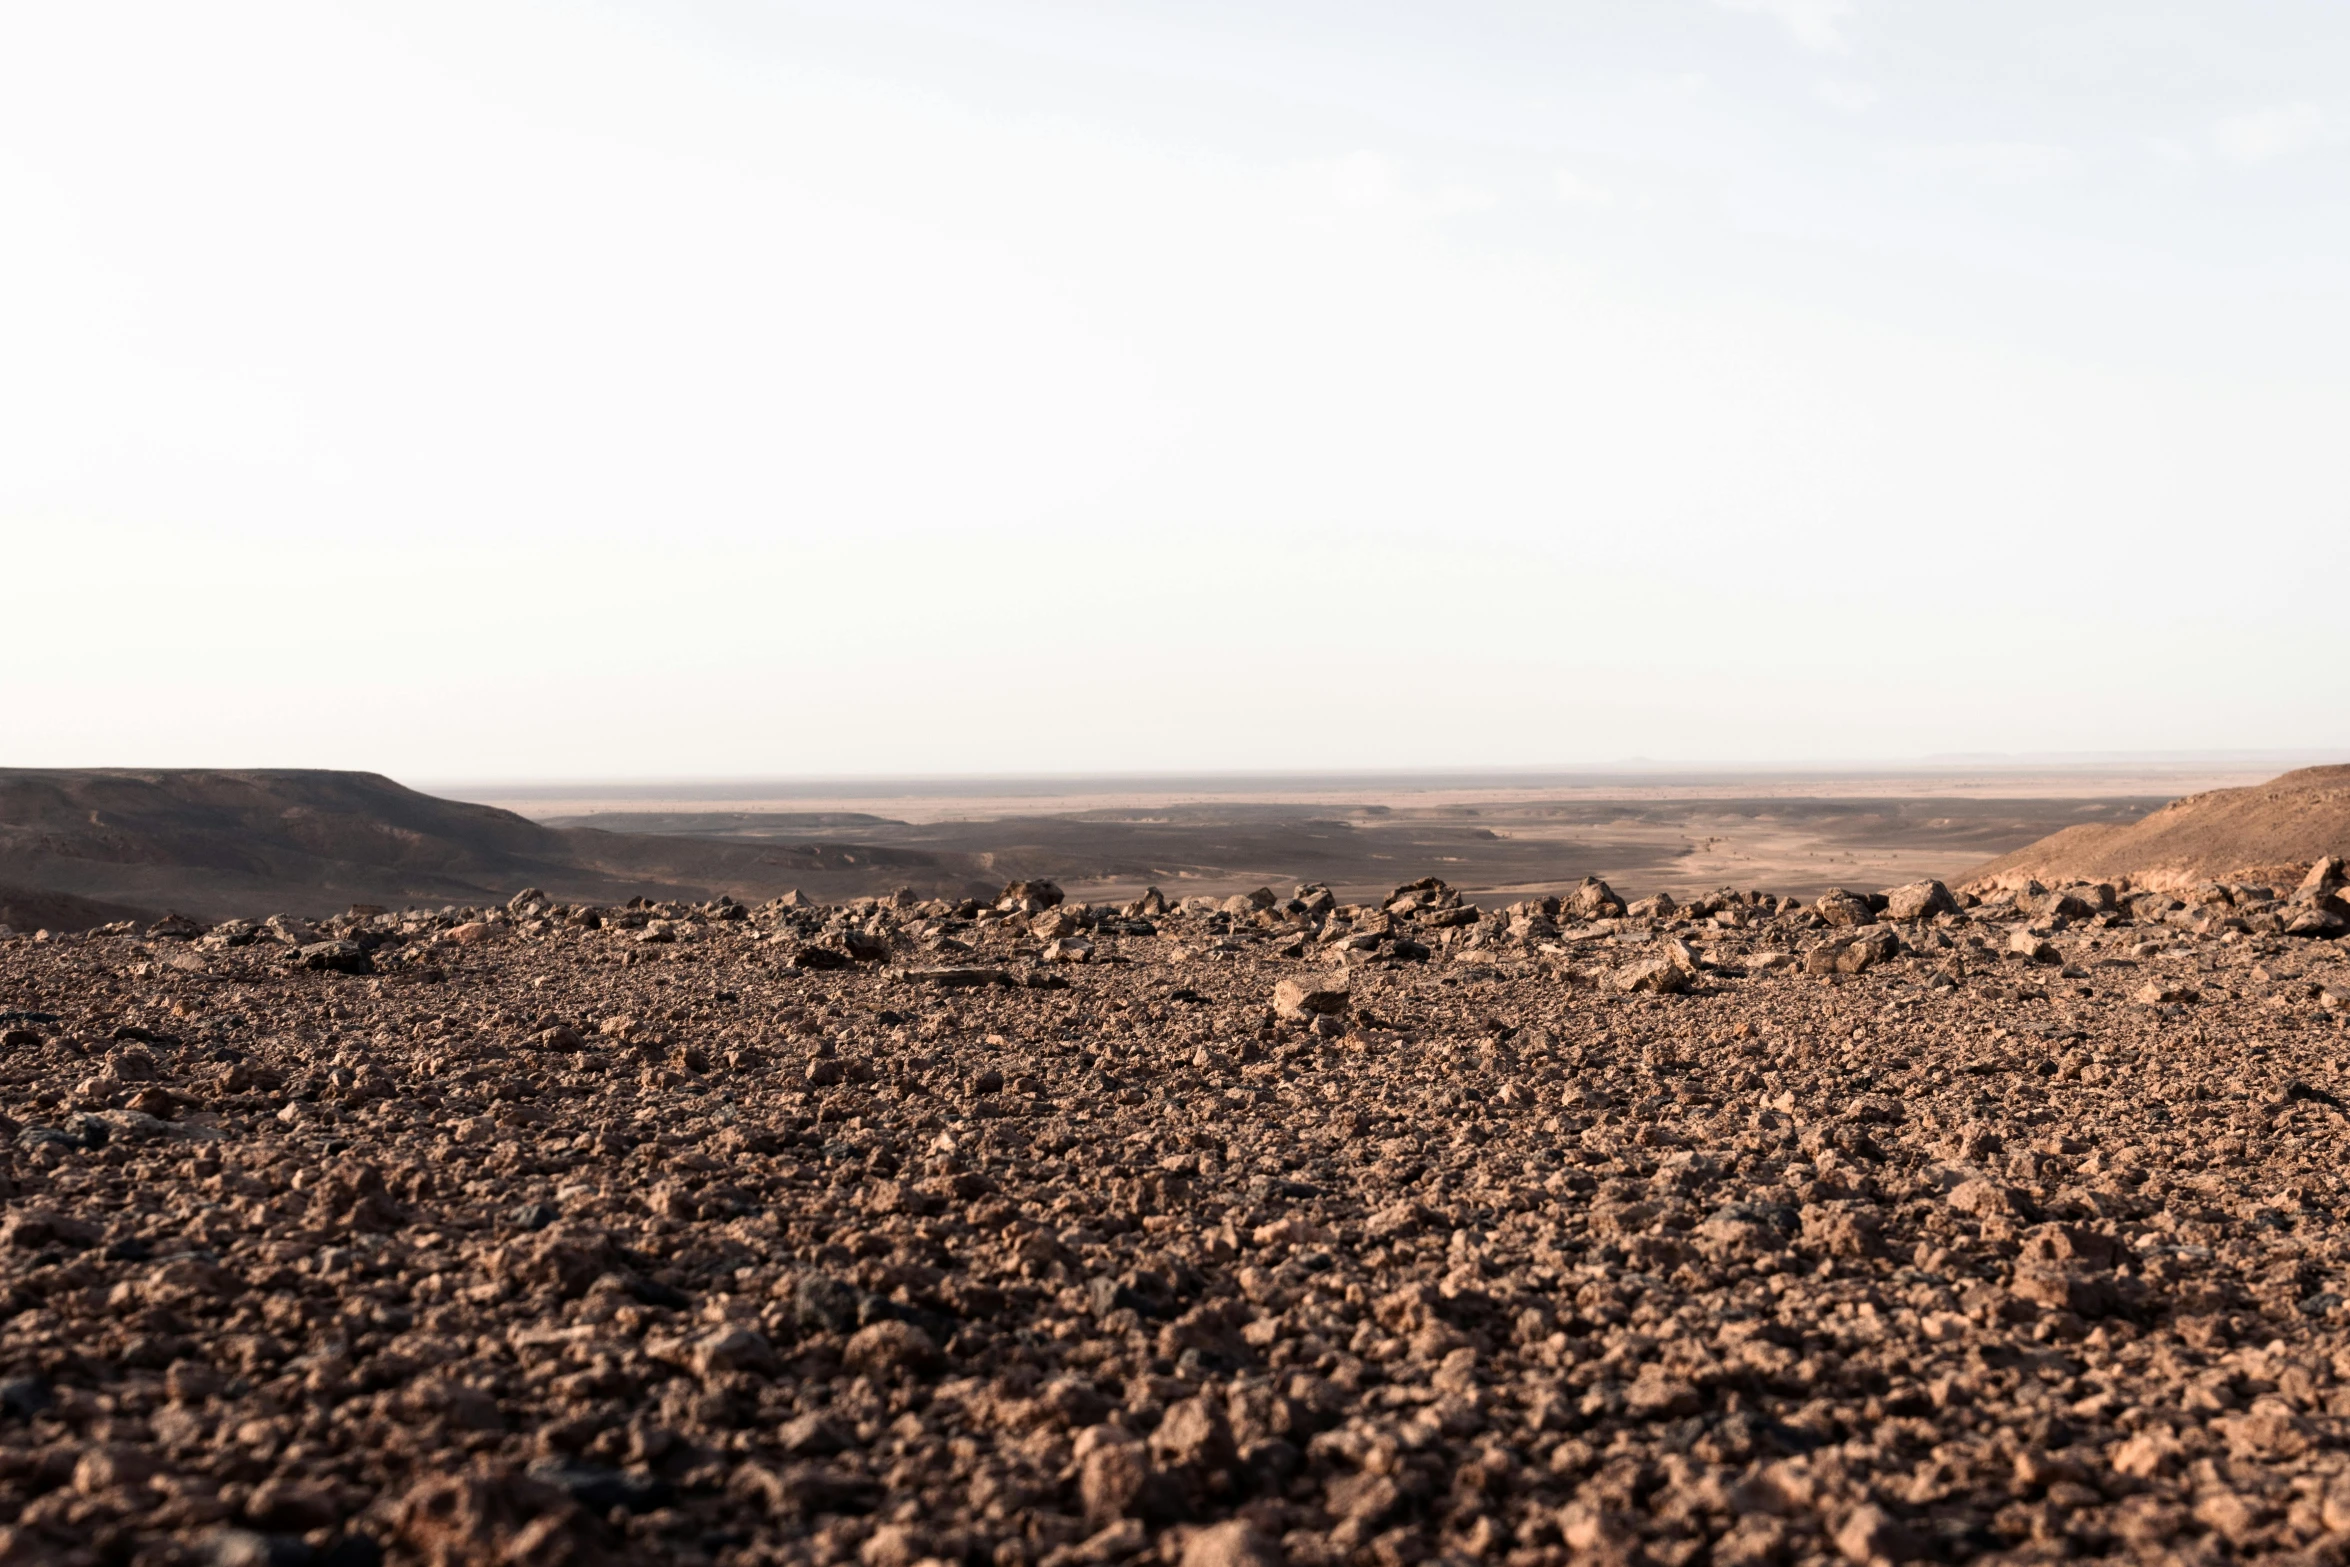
2247	834
1501	848
1745	1232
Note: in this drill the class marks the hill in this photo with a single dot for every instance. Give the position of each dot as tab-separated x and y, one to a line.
2268	832
78	846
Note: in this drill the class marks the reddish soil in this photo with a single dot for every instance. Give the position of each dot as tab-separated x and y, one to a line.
1742	1233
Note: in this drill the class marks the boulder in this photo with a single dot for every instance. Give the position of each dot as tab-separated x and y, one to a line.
1870	945
1426	893
1593	899
335	957
1839	907
2320	923
1028	897
1919	900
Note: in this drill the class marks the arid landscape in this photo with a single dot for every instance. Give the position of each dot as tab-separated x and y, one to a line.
83	847
1147	784
1924	1222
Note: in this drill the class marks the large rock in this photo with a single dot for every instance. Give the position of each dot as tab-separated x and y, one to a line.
1839	907
1919	900
1028	897
1593	899
2027	944
1870	945
1657	976
2321	923
1426	893
335	957
1300	1002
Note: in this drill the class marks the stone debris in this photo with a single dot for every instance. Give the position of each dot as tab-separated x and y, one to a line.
1901	1226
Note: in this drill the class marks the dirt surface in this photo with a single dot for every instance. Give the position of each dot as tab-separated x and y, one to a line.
1489	847
1739	1232
949	798
2270	830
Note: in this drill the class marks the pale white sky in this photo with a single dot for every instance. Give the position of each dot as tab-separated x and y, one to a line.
558	390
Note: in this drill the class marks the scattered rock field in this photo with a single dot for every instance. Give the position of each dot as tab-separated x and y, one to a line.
1869	1228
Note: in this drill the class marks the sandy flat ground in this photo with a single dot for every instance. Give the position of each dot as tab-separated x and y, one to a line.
967	799
1794	829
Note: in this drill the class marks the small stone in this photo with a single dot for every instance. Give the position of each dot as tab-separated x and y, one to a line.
1300	1002
2039	949
113	1468
890	1345
1871	1534
1657	976
1193	1434
730	1349
1986	1199
293	1506
1232	1543
335	957
1112	1474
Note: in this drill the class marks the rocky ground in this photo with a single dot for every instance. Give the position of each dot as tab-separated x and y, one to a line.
1751	1232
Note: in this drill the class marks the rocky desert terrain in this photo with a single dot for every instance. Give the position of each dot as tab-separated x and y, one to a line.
2250	834
86	846
1745	1230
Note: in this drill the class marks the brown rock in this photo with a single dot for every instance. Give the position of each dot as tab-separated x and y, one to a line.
496	1520
1987	1199
1871	1534
113	1468
1656	1394
1193	1434
1113	1475
1300	1002
562	1261
2062	1290
294	1506
1919	900
1593	899
730	1349
1839	907
1232	1543
1658	976
1840	1232
890	1345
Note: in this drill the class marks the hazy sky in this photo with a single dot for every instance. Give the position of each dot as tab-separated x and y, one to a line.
497	389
